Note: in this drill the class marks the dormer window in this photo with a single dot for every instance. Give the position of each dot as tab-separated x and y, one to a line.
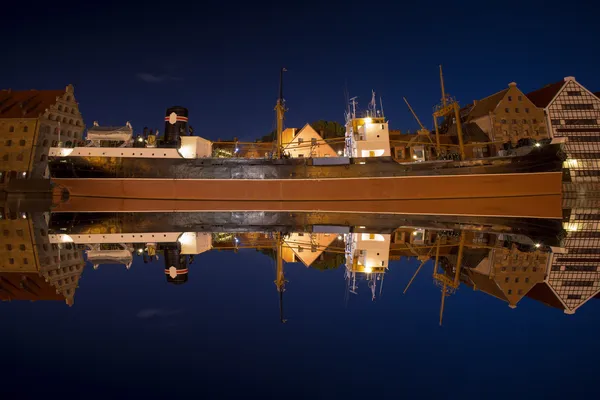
59	107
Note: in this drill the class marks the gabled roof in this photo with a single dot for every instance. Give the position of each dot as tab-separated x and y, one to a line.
485	284
541	292
27	103
26	286
471	133
542	97
484	106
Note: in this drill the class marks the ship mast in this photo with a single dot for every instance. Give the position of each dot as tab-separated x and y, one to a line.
280	110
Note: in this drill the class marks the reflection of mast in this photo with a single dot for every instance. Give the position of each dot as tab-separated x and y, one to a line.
279	276
444	110
447	285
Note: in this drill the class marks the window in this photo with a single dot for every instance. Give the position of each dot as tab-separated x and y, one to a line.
25	128
527	280
77	123
45	245
22	247
534	121
72	111
11	260
68	133
5	157
20	157
64	120
45	142
8	143
300	140
514	269
11	129
517	280
59	107
555	122
505	132
524	121
527	110
71	121
503	269
66	109
75	135
68	98
573	297
520	291
22	142
578	106
573	93
578	283
506	110
520	98
509	98
580	122
25	261
313	141
20	232
516	110
506	280
9	247
514	121
509	291
502	121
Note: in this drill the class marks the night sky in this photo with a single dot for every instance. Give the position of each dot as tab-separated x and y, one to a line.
131	334
222	61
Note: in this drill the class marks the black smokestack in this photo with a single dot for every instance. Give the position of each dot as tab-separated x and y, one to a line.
176	122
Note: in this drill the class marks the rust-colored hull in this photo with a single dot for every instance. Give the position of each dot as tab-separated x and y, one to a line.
390	188
526	195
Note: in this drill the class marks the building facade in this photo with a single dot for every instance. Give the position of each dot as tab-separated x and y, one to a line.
25	251
306	143
571	111
31	122
505	117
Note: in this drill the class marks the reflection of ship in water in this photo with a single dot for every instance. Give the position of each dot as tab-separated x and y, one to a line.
508	258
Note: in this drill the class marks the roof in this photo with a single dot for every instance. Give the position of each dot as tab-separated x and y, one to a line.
471	133
27	103
26	286
542	97
484	106
541	292
485	284
105	129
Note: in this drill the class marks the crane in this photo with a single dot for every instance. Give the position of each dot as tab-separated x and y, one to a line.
444	110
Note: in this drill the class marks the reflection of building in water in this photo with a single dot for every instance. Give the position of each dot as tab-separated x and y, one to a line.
367	255
306	247
40	267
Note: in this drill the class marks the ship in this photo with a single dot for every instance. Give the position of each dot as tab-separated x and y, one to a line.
182	166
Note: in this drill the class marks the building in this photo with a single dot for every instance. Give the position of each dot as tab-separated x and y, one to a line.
503	117
32	121
25	251
305	143
571	111
306	247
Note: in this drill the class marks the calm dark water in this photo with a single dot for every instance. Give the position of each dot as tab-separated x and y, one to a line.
130	333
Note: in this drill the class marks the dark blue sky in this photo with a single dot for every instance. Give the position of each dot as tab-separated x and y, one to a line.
221	60
219	336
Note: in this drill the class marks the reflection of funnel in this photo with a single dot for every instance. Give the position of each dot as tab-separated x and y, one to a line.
176	276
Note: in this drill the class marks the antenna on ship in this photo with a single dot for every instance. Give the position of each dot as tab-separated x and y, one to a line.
280	109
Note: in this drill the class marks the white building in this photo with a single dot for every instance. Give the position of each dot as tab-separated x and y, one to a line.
573	112
368	136
306	143
367	254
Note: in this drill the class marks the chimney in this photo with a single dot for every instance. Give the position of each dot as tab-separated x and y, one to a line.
512	84
569	78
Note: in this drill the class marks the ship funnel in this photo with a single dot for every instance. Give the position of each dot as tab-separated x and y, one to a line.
176	123
176	268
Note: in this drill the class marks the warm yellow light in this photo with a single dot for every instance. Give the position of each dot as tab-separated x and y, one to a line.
415	157
368	270
572	163
186	238
368	120
571	227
